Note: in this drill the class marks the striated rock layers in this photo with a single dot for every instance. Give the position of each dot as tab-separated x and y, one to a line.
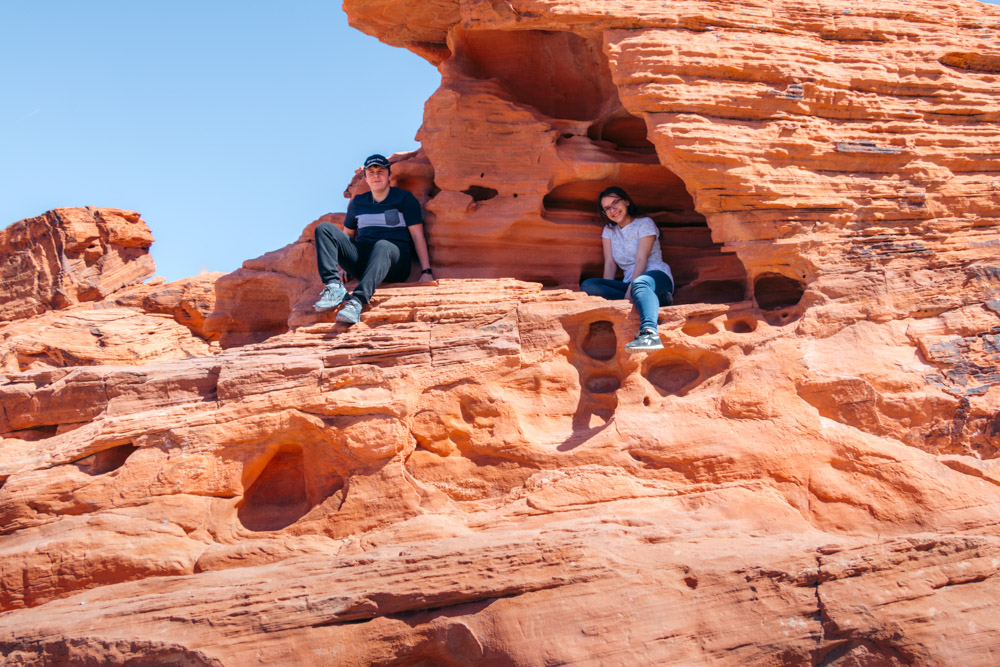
208	473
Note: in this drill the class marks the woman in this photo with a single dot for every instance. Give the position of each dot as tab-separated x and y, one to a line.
632	243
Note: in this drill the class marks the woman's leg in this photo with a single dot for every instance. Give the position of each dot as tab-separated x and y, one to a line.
604	288
647	292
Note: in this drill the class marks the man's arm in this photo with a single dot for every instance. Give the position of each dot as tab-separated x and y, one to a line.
351	219
420	245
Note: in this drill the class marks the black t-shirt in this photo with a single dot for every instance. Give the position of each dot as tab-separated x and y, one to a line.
387	219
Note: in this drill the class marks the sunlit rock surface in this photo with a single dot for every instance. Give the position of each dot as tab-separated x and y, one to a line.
477	473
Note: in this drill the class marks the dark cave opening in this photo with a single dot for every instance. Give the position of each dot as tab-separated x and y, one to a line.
481	193
561	74
626	132
774	291
106	460
704	272
278	497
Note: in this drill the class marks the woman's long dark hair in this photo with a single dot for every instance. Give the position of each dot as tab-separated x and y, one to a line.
616	191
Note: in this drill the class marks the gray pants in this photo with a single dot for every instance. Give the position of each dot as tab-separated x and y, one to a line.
373	263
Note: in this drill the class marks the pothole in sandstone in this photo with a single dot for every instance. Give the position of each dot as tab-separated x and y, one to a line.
779	297
105	461
673	376
600	342
676	374
278	497
774	291
603	384
741	325
480	193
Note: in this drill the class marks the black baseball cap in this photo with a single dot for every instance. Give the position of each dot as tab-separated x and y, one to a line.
376	159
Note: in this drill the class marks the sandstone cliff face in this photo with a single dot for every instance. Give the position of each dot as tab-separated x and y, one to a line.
477	473
70	255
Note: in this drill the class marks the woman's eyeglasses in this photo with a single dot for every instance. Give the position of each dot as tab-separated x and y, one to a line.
610	207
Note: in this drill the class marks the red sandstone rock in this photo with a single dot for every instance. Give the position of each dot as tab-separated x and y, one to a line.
70	255
477	473
188	301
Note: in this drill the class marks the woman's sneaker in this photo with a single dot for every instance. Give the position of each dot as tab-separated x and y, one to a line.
350	313
647	339
331	296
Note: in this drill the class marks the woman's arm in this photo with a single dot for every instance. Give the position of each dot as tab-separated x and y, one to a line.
641	257
420	245
610	268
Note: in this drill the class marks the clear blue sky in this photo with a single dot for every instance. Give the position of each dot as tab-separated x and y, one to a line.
230	125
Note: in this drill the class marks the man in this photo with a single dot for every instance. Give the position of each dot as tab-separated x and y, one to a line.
386	221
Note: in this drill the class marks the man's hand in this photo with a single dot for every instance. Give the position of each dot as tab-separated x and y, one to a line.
426	277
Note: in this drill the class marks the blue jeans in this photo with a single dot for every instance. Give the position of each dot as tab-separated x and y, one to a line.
649	291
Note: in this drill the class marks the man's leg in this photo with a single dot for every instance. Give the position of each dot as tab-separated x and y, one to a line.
335	248
387	260
602	287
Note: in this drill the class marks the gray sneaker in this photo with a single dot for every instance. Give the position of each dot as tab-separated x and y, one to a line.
350	313
647	339
331	296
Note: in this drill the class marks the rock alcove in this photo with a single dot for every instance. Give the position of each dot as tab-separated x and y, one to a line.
558	86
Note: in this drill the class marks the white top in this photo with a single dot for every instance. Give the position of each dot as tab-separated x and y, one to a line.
625	244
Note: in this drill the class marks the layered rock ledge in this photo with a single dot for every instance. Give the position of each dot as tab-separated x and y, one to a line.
207	472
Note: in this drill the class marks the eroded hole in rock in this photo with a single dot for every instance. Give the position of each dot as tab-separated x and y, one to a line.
699	328
105	461
774	291
673	376
480	193
741	325
34	434
277	498
626	132
600	343
779	318
561	74
603	384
